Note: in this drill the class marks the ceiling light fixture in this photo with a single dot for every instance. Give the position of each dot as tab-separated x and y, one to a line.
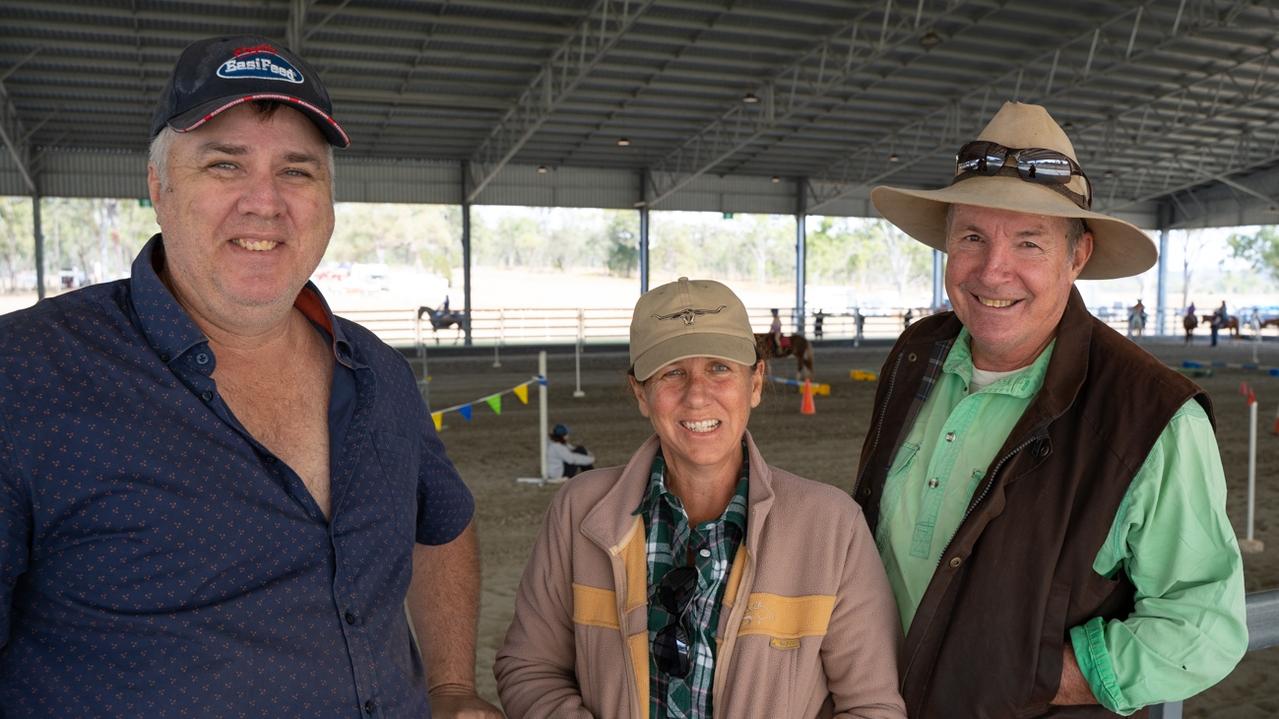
623	142
776	179
929	40
543	169
893	157
750	98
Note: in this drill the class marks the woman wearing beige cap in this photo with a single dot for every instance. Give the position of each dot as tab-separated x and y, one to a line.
697	580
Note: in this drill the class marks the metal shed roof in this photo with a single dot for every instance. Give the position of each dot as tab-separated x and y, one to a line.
1172	104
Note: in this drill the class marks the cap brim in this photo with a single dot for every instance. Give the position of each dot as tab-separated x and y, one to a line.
200	114
1120	249
702	344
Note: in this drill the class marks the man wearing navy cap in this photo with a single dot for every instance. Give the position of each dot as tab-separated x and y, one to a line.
216	497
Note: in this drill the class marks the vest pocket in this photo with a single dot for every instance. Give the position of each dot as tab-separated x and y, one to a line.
1052	637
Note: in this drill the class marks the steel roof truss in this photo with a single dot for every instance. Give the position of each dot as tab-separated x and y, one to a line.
944	127
741	124
597	34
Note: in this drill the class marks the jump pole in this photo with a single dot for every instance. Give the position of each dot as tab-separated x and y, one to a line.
543	431
577	354
1251	545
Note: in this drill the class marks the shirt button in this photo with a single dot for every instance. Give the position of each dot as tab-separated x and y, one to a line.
932	483
911	357
955	562
206	395
350	618
950	436
704	553
202	358
370	706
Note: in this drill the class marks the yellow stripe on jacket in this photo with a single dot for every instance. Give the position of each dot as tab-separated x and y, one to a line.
773	615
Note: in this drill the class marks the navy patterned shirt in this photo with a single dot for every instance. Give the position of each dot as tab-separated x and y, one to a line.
157	561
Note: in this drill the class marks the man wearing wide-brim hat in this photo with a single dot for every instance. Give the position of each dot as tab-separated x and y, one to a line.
1048	499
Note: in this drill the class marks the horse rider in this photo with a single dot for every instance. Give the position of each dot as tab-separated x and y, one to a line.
775	330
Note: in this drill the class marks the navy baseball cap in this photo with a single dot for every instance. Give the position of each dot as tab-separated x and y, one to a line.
560	430
216	74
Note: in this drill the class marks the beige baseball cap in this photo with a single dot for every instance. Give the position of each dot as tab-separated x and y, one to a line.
689	318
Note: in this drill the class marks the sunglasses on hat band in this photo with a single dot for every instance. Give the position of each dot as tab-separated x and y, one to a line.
1049	168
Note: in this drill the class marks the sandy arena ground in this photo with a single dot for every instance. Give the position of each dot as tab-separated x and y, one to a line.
492	450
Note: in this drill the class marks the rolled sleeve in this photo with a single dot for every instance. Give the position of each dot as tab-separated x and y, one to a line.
1173	540
444	504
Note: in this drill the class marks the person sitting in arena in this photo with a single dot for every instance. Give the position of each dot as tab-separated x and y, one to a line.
564	459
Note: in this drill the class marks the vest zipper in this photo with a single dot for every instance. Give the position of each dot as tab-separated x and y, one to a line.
985	491
971	506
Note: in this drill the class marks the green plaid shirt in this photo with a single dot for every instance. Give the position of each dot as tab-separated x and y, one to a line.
712	546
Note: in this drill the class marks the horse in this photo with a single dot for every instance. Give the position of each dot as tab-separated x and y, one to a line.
1231	323
1189	322
442	320
795	345
1136	320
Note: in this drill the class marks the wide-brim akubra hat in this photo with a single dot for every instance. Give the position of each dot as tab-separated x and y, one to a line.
1120	249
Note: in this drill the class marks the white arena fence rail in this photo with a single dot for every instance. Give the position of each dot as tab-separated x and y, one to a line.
400	327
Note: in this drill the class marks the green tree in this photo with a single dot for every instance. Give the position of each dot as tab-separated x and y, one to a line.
1260	249
622	245
17	245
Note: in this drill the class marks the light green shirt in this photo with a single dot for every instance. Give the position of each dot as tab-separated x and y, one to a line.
1170	536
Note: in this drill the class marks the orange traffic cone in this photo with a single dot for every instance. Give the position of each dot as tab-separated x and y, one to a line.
806	406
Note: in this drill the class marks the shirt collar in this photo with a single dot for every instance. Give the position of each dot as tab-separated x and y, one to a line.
1024	384
170	330
657	490
167	327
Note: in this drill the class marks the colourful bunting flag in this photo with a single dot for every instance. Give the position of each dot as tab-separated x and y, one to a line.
438	418
521	392
465	411
495	403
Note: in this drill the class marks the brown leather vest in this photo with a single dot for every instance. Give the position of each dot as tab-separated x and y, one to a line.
987	638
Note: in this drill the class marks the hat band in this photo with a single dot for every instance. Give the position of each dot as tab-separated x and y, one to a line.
1040	165
1084	203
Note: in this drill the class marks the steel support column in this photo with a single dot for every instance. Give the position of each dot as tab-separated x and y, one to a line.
1164	217
801	254
466	254
643	248
39	238
1161	301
